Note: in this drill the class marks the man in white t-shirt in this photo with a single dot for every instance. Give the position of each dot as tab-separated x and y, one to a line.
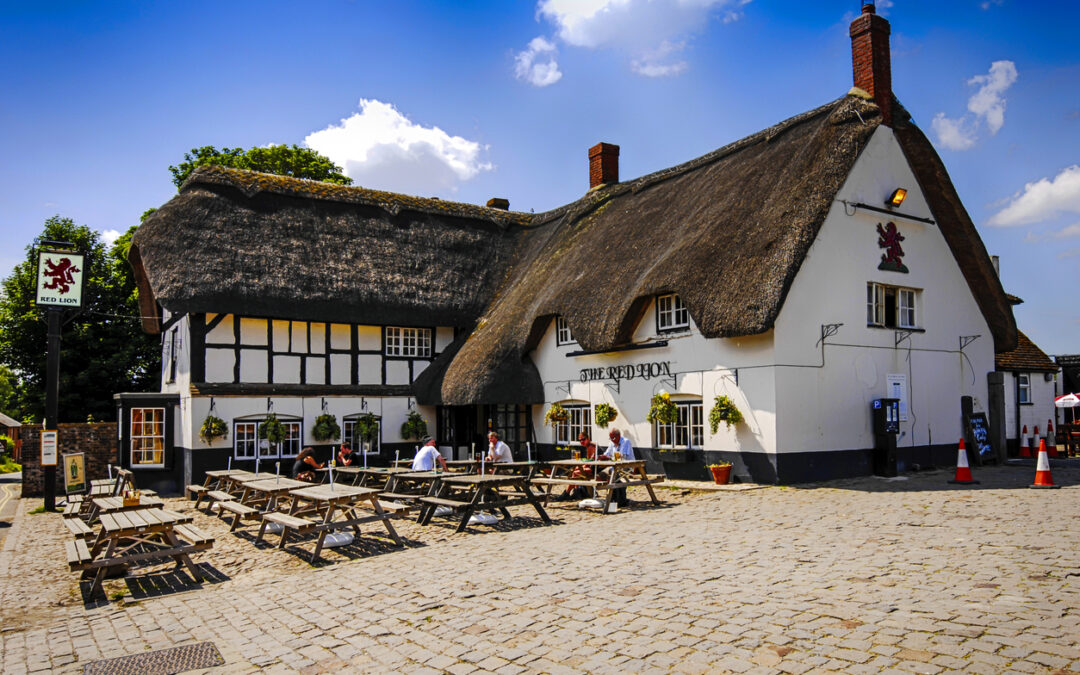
428	455
497	450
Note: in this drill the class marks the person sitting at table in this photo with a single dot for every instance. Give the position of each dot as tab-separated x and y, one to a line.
427	456
305	465
345	455
620	444
497	450
588	450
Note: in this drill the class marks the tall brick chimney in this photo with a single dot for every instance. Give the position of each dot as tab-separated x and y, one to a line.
870	58
603	164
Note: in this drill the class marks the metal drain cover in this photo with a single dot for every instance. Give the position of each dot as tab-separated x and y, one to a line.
160	662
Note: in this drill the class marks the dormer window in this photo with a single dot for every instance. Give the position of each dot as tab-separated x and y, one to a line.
671	314
563	336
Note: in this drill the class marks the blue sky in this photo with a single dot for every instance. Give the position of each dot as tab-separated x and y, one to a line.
470	100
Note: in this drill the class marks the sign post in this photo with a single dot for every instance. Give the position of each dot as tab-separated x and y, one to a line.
60	281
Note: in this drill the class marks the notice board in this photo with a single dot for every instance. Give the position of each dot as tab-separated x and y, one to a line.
978	429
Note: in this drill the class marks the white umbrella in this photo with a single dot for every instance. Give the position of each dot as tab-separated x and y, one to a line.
1067	401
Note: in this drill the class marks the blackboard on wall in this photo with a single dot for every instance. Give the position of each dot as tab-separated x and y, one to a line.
978	436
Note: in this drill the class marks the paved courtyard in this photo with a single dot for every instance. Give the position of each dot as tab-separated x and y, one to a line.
860	576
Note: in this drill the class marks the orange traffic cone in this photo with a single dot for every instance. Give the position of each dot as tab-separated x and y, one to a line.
1042	470
963	471
1051	444
1025	449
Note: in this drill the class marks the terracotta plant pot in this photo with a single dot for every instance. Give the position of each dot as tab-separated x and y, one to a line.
721	474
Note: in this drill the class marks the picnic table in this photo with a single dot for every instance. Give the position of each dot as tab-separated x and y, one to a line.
623	473
479	492
100	505
342	474
465	465
377	476
128	537
408	486
327	508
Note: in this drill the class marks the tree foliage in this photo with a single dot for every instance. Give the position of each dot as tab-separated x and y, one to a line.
103	349
283	160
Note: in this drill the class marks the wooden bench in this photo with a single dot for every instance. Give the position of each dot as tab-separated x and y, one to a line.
238	510
565	481
196	492
396	495
212	496
389	507
439	501
193	536
78	554
73	509
78	528
287	522
180	517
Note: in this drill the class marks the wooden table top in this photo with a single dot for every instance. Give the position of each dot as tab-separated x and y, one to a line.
342	469
121	521
477	479
107	504
327	492
449	462
251	478
275	484
417	475
596	462
221	473
385	470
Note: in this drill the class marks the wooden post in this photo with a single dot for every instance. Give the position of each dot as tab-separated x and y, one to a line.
52	391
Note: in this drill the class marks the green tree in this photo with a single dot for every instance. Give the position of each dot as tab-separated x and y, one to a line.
283	160
9	393
103	350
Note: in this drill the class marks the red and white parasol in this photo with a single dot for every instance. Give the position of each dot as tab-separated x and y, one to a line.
1067	401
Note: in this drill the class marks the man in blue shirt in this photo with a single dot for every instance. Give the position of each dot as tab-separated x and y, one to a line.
620	444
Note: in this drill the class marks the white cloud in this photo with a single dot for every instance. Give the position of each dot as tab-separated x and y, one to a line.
539	74
988	103
985	105
1043	199
379	147
954	134
110	236
650	31
1069	232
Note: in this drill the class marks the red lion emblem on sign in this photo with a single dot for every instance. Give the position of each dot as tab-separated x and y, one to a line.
889	240
62	275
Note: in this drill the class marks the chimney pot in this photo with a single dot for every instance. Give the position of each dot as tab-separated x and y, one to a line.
870	58
603	164
499	203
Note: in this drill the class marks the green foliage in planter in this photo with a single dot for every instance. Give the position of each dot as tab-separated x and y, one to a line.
604	413
326	428
272	429
662	410
723	410
414	426
556	414
718	465
213	427
367	427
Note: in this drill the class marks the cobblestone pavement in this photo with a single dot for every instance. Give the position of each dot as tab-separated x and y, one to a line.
860	576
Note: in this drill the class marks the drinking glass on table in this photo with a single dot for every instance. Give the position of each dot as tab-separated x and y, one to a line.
618	455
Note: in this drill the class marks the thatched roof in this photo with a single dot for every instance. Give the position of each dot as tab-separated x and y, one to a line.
261	245
727	232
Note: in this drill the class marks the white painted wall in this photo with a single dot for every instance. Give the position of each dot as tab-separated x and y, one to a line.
829	408
1039	412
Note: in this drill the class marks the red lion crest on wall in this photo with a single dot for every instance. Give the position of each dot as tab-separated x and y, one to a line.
889	239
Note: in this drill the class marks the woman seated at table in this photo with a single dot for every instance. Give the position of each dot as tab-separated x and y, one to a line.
305	465
588	449
427	457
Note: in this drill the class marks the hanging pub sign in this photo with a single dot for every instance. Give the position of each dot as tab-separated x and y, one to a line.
644	371
889	238
60	278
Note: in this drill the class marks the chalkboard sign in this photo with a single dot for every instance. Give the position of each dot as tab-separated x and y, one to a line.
979	435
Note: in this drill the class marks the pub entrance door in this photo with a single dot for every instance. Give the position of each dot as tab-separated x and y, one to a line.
459	429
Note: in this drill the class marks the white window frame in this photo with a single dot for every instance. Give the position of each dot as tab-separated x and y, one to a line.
408	342
348	435
246	436
688	432
157	420
671	313
1023	388
906	302
566	433
563	336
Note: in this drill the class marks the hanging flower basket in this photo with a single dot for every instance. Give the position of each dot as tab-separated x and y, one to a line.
213	428
556	414
414	426
272	429
662	410
723	410
721	472
604	414
367	427
326	428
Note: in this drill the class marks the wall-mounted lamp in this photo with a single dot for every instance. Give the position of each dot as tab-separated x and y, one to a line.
896	198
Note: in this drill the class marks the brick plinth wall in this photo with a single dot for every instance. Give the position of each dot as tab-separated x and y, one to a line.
96	440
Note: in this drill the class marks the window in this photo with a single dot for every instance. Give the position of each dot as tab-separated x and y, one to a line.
170	357
671	313
687	432
891	306
246	441
348	435
562	332
580	420
408	342
148	436
1023	388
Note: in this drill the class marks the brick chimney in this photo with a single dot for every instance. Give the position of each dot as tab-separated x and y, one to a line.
499	203
870	58
603	164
